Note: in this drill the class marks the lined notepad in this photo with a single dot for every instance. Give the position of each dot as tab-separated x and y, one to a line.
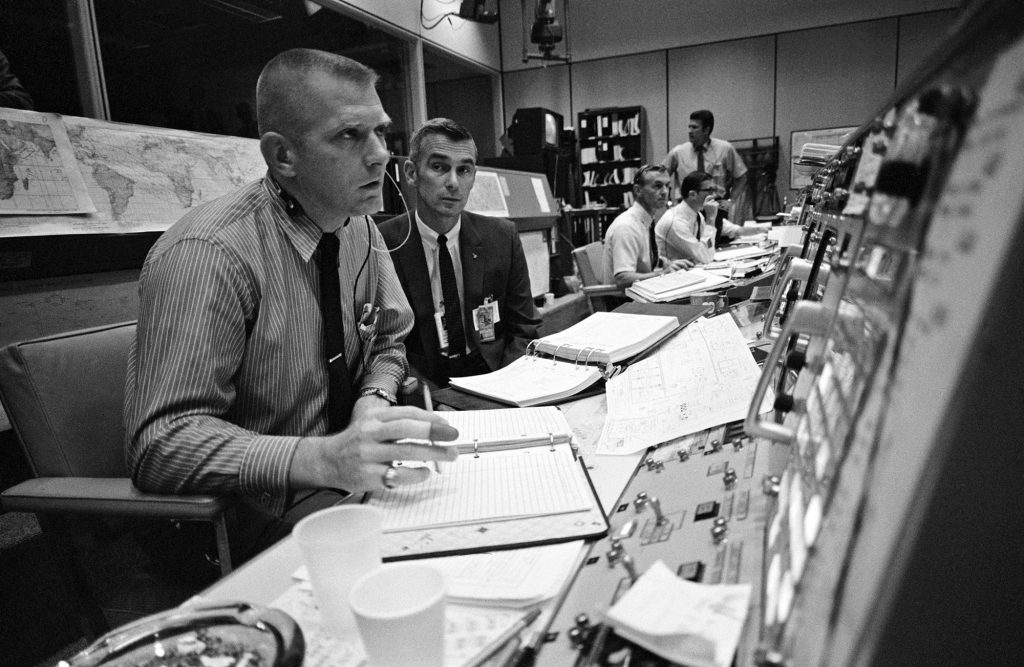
494	486
524	467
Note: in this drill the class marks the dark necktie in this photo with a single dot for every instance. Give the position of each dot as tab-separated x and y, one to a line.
340	396
452	304
700	157
654	245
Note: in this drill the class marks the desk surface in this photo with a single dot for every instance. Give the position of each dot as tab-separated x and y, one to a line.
268	575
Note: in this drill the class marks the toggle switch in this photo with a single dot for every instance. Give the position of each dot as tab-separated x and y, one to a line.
771	486
655	504
630	566
729	477
641	500
615	553
684	455
719	528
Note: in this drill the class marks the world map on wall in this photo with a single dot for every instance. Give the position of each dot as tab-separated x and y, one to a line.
68	175
153	177
31	168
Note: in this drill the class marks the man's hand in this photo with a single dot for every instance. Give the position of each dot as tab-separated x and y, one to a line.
679	265
357	458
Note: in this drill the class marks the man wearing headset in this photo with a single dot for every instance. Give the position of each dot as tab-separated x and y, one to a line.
465	274
231	389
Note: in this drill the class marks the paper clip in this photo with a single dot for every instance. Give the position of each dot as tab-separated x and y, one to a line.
476	448
551	440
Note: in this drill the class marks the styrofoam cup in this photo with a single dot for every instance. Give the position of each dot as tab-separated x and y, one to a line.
339	545
399	610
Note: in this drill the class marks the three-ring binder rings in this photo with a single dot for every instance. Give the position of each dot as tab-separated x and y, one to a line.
563	364
517	482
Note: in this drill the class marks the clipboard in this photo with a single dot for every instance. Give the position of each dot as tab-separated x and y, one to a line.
503	495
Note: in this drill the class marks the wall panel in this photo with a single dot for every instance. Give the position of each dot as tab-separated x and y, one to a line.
547	87
832	77
735	80
919	35
622	82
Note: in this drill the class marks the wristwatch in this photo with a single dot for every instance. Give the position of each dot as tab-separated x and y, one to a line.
382	393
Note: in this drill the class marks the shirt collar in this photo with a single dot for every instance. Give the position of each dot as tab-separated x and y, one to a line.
431	236
301	231
641	213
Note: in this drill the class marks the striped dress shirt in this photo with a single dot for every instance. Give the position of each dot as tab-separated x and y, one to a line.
228	369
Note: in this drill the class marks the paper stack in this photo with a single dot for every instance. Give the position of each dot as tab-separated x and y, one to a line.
675	285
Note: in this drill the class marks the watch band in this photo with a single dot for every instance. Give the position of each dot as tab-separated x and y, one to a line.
382	393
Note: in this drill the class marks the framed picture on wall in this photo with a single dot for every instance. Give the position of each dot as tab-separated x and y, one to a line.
808	152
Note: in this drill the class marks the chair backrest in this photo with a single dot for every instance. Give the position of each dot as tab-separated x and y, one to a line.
64	395
590	260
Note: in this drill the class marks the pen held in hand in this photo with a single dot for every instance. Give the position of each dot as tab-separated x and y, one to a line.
428	405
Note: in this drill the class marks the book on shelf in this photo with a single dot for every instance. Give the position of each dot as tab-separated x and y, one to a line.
517	481
563	364
675	285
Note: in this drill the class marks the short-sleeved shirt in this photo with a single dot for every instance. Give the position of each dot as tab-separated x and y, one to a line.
627	244
682	233
721	162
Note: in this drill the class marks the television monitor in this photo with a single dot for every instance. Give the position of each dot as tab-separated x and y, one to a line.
536	129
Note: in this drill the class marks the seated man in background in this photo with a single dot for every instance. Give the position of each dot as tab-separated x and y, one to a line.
629	252
249	375
465	275
686	232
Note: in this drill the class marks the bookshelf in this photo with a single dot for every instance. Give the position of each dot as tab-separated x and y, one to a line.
613	145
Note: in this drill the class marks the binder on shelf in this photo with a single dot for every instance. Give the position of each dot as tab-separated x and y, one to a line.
519	483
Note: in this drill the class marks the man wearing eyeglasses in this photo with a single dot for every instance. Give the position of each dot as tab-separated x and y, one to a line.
686	232
629	252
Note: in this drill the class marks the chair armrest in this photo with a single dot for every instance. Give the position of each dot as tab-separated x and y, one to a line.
110	496
603	290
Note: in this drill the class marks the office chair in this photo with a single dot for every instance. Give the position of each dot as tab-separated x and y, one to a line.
64	395
590	263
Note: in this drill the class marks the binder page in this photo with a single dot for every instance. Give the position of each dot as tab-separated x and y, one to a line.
495	486
507	426
615	336
530	380
703	377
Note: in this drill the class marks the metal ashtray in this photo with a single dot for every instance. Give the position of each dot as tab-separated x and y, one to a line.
232	634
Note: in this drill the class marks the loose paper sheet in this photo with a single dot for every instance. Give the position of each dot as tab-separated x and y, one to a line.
687	623
703	377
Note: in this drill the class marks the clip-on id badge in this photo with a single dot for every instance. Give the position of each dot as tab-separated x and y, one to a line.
484	319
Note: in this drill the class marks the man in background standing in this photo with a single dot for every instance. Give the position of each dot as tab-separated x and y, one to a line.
715	157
